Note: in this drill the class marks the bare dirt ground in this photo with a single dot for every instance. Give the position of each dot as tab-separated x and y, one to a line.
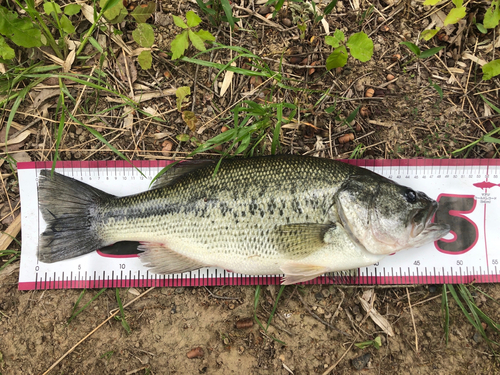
317	325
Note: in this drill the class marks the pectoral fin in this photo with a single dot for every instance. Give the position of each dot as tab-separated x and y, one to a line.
298	272
163	260
297	241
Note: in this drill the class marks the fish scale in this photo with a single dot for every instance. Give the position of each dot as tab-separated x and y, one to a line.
299	215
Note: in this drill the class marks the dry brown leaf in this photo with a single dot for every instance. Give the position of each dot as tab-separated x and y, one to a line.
377	318
44	95
21	137
190	120
88	12
124	72
128	121
228	78
69	61
21	156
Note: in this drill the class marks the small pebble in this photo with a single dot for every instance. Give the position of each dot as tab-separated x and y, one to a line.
432	289
359	363
179	290
326	293
195	353
477	337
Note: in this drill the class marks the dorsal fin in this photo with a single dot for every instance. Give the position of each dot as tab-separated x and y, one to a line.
178	170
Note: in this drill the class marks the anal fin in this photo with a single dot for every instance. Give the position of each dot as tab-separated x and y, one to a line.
163	260
296	272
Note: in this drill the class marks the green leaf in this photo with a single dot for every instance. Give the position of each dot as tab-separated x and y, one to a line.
429	34
228	11
141	14
495	108
360	46
179	22
458	3
431	2
192	19
337	58
179	45
51	7
205	35
182	137
21	31
492	16
72	9
490	139
111	11
197	41
492	69
430	52
437	88
145	59
481	28
181	94
144	35
66	25
455	15
328	9
412	47
121	16
6	52
336	39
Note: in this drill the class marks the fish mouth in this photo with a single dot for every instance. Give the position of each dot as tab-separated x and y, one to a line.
422	225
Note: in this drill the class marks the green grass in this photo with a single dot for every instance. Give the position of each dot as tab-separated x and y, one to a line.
75	312
273	311
476	317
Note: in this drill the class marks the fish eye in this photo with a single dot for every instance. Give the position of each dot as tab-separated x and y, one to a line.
411	196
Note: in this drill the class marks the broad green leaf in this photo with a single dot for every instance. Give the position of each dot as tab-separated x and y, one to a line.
492	69
51	7
192	19
179	22
145	59
21	31
108	4
455	15
360	46
431	2
337	58
181	94
144	35
66	25
481	28
6	52
336	39
205	35
412	47
430	52
179	45
197	41
141	14
490	139
458	3
183	137
492	15
429	34
121	16
111	11
72	9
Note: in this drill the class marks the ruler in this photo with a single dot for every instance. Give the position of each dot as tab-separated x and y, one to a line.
466	189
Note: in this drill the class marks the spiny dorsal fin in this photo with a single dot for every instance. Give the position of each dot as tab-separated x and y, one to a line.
178	170
297	241
163	260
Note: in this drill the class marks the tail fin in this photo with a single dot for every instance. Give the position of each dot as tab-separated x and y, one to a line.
68	207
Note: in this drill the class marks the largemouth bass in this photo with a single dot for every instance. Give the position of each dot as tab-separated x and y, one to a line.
293	215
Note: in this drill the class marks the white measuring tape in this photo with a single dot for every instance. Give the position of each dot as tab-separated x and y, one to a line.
466	190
